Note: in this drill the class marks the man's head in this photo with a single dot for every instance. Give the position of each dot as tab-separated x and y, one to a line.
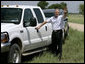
56	12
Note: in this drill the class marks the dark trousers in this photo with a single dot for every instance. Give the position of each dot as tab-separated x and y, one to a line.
56	45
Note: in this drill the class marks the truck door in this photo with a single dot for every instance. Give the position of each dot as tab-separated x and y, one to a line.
43	31
34	38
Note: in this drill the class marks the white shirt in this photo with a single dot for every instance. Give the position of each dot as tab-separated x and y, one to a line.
57	23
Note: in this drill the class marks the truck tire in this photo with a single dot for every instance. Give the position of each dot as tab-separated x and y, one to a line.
14	55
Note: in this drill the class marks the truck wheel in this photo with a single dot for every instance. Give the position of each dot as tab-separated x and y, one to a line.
14	54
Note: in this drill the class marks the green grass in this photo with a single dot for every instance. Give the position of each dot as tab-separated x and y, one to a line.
73	50
76	18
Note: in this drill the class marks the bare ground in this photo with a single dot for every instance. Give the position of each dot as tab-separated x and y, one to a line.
75	26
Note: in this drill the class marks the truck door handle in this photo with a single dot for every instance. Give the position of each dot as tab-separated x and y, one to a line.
21	31
46	28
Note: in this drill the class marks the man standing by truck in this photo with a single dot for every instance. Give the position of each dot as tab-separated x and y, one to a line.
57	26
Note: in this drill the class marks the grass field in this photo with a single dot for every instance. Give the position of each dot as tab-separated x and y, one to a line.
73	51
76	18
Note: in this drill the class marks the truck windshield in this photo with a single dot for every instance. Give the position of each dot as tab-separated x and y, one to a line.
11	15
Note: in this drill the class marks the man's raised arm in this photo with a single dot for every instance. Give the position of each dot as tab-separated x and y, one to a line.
65	12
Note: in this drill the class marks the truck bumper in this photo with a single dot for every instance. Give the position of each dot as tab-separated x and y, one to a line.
5	47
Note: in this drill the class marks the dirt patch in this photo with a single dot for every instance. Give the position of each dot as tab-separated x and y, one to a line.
79	27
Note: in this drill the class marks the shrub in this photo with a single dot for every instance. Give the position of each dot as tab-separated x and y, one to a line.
81	9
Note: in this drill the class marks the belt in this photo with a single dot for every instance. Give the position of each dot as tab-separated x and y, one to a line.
57	30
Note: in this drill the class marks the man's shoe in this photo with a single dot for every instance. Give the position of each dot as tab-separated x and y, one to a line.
59	58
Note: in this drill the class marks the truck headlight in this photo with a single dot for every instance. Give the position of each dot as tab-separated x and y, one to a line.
4	37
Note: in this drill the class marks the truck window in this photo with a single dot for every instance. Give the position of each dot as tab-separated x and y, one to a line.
11	15
38	15
27	15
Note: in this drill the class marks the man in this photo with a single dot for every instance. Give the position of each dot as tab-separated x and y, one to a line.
57	26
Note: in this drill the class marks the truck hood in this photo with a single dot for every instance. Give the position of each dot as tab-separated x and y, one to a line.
6	26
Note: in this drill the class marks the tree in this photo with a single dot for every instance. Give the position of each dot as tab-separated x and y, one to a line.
43	4
54	6
62	5
81	9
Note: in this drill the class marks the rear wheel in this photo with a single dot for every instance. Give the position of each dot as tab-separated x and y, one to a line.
14	54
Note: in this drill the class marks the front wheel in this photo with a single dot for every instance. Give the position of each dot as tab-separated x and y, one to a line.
14	54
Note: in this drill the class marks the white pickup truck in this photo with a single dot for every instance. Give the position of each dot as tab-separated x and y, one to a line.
18	34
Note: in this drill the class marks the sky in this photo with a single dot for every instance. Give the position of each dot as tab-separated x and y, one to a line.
73	6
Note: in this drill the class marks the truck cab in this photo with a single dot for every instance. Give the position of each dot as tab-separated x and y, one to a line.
18	34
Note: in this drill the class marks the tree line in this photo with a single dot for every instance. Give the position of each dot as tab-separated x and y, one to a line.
44	4
62	5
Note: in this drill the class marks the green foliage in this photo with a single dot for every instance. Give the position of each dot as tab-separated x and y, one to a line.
76	18
43	4
54	6
81	8
62	5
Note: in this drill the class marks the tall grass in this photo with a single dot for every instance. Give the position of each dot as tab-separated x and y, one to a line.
73	50
76	18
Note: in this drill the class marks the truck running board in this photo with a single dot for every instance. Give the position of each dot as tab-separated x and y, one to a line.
36	51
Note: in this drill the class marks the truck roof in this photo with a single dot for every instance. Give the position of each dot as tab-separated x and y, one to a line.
51	10
18	6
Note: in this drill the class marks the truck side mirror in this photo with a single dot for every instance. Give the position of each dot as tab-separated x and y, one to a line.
33	21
